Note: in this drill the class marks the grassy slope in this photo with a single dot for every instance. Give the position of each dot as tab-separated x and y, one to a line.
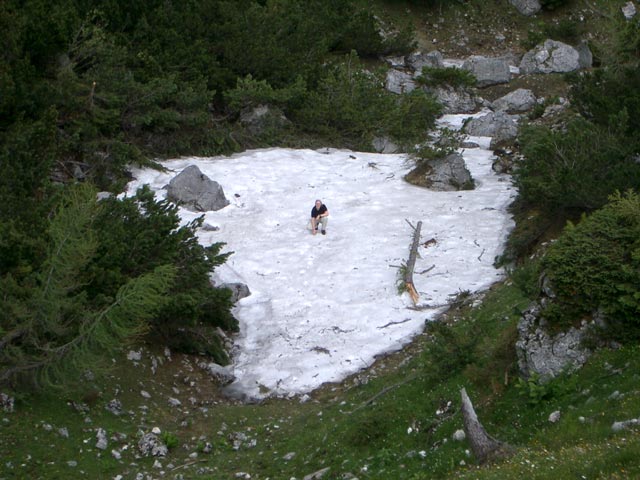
381	424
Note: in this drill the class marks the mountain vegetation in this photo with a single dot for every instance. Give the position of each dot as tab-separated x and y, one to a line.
91	87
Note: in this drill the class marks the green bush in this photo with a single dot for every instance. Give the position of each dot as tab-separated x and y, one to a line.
576	169
139	233
451	76
595	266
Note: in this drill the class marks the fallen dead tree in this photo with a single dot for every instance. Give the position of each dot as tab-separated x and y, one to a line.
411	263
484	446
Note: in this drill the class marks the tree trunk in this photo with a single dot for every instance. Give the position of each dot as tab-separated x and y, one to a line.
411	263
484	446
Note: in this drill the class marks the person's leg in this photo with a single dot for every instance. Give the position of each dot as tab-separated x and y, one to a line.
323	223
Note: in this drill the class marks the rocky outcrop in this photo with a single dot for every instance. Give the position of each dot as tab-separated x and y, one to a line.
446	174
399	82
384	145
545	354
518	101
499	126
416	61
487	70
454	100
195	191
553	57
527	7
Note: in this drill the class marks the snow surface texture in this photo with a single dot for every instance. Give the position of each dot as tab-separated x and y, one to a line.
324	307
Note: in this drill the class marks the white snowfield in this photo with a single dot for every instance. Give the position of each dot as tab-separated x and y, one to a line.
323	307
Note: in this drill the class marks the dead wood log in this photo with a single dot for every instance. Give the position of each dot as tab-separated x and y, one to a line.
411	263
484	446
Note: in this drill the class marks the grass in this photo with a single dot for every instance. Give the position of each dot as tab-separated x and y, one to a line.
394	421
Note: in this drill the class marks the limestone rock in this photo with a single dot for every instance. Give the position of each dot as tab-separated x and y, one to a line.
417	60
488	71
195	191
552	57
399	82
446	174
518	101
527	7
498	125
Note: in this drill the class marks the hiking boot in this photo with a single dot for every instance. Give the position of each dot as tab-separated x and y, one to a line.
324	232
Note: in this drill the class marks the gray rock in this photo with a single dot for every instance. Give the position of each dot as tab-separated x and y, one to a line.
399	82
238	290
544	354
459	435
417	60
448	174
518	101
629	10
527	7
114	406
585	57
196	191
6	402
554	417
263	117
174	402
454	100
384	145
498	125
150	444
101	437
488	71
221	374
619	426
317	475
551	57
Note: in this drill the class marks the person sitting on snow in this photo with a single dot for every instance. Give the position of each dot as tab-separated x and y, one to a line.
319	214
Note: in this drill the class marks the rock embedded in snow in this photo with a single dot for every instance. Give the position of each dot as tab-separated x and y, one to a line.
445	174
500	126
196	191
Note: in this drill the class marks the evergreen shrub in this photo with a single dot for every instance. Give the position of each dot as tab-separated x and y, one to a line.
595	267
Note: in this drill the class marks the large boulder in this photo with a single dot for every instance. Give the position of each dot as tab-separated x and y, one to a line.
443	174
518	101
195	191
417	60
527	7
552	57
399	82
488	70
545	354
500	126
454	100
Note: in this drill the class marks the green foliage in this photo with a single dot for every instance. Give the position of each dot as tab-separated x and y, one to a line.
170	440
554	4
575	169
595	266
566	30
451	76
533	390
48	330
250	93
138	234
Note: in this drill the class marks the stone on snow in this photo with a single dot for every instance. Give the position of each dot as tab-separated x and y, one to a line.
195	191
